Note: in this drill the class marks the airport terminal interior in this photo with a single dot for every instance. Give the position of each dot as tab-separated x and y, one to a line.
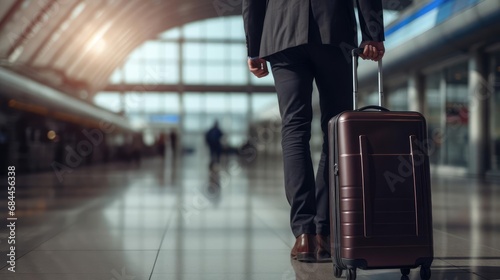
106	174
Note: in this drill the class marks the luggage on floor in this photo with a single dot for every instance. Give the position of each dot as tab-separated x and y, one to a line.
380	196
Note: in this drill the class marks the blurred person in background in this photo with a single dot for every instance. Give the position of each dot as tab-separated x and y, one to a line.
213	138
306	41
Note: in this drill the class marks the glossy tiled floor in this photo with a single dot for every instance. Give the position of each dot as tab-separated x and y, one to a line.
181	222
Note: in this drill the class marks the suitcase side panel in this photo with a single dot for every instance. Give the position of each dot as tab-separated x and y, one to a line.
334	191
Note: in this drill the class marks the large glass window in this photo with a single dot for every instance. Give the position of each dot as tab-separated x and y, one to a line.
155	62
495	110
214	63
210	52
109	100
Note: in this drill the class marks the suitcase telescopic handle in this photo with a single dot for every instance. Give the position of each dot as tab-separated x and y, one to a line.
355	53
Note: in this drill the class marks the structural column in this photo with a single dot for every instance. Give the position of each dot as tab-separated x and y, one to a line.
416	92
479	156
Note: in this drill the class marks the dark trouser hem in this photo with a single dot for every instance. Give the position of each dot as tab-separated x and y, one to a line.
303	230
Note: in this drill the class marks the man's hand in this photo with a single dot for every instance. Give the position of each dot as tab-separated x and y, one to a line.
258	67
372	50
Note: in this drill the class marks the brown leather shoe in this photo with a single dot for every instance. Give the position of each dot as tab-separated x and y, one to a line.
304	248
323	248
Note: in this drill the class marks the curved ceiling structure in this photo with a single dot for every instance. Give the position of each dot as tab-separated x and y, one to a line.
79	43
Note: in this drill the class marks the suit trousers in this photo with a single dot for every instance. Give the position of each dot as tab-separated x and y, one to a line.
294	71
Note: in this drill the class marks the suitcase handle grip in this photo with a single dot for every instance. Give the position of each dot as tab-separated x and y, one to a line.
355	53
373	107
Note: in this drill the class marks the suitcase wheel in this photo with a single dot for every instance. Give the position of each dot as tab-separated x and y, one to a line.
337	271
425	273
405	271
351	274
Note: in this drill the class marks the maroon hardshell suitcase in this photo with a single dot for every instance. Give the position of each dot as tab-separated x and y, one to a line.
380	195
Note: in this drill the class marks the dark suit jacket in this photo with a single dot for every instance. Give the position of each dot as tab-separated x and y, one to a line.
275	25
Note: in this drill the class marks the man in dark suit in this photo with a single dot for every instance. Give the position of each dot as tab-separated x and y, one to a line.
306	40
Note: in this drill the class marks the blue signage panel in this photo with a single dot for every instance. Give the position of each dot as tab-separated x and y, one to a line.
164	118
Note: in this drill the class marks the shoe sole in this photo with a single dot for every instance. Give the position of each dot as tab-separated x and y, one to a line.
323	260
305	257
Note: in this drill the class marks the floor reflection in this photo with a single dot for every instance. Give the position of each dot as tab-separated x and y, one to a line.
177	219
